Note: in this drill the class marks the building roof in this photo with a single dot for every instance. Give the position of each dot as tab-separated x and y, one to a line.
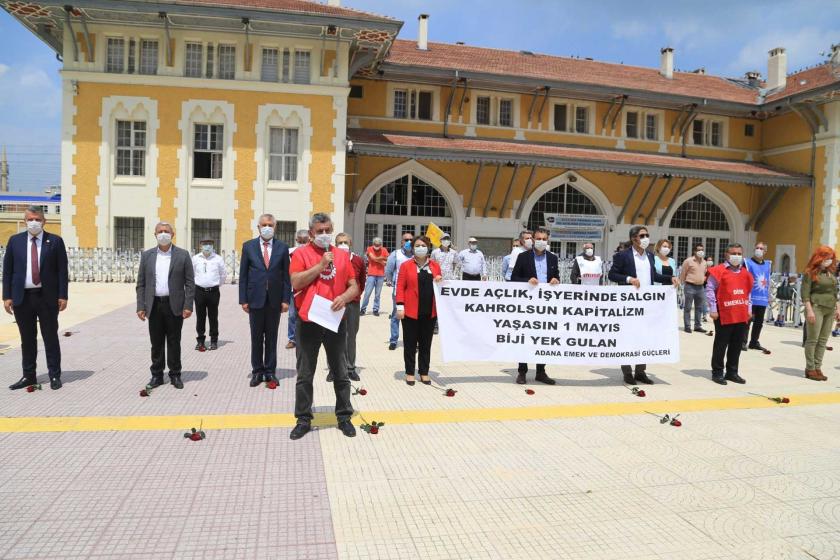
553	155
29	197
807	80
301	6
523	64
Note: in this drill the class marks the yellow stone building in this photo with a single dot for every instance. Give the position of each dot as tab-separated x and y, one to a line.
206	114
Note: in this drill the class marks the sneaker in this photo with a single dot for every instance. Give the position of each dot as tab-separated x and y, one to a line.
376	313
361	312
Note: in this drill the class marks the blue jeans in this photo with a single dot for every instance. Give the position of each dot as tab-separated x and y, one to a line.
395	323
371	283
292	318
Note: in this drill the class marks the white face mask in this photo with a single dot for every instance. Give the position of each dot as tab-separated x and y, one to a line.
34	227
323	240
759	253
664	251
473	246
445	243
644	242
421	251
588	252
207	249
528	244
344	247
540	244
266	232
826	263
164	238
700	254
736	260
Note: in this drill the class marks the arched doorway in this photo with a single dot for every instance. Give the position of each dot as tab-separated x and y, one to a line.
406	204
562	199
699	220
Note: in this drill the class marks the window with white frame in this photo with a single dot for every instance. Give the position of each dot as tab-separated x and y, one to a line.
132	56
561	117
302	64
413	104
131	148
148	57
641	124
287	56
482	110
270	69
581	120
194	60
651	126
282	154
208	151
227	62
115	55
494	111
707	132
631	124
506	112
400	104
210	58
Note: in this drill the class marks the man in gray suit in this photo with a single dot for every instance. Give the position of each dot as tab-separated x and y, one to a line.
165	292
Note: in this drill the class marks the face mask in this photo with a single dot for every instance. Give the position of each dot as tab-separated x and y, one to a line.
164	238
700	254
407	246
421	251
589	252
344	246
266	232
664	251
445	243
207	249
759	253
826	263
735	260
540	244
473	246
528	244
710	263
323	240
644	242
34	226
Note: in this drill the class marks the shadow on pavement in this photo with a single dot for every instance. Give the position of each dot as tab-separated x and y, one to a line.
793	372
188	376
71	376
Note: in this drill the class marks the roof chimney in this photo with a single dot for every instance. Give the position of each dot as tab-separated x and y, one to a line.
666	62
423	32
777	68
753	78
835	54
333	2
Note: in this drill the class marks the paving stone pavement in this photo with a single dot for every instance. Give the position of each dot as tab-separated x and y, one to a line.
757	483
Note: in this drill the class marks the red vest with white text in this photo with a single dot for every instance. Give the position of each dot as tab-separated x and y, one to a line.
332	281
733	294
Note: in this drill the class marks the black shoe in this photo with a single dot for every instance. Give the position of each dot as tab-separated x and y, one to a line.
200	347
700	330
213	345
543	378
376	313
330	377
427	381
300	430
155	381
744	347
347	428
628	379
22	384
176	381
55	383
719	379
520	378
687	330
409	383
362	313
735	378
354	376
392	346
256	379
757	346
270	377
642	377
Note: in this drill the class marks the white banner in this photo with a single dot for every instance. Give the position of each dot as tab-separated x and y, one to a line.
563	324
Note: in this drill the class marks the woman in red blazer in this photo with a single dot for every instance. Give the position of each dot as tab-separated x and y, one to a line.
416	308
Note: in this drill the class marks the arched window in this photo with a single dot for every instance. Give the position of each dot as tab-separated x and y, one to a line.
406	204
699	220
563	199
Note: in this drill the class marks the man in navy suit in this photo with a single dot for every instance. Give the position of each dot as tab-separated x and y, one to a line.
264	295
537	266
35	290
635	267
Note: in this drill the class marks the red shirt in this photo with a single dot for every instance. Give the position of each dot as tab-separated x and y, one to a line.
374	268
331	283
358	273
733	294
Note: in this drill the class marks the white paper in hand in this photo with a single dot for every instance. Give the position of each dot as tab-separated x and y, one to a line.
321	314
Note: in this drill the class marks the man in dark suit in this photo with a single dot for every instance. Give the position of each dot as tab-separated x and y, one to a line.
537	266
165	295
264	295
35	291
635	266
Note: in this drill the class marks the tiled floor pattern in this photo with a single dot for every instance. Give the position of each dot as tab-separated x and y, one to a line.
728	484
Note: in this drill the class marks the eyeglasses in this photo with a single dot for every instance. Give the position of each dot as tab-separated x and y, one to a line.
644	236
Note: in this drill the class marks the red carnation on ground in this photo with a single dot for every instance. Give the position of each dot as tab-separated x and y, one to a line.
636	391
529	391
359	390
777	400
271	384
195	435
370	427
33	388
450	392
667	419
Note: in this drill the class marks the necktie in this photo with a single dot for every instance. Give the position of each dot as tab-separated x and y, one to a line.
36	271
265	253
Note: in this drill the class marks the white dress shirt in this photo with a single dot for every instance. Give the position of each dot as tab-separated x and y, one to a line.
162	262
472	262
39	239
209	271
642	267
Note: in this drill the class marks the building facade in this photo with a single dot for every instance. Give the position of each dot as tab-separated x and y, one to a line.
208	114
